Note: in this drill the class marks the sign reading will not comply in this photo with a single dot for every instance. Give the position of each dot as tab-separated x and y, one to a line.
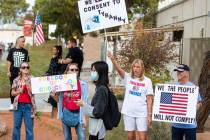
100	14
56	83
175	103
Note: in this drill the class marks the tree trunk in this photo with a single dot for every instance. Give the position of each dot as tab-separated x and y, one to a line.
204	89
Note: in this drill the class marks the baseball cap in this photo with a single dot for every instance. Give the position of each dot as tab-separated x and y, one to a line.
182	67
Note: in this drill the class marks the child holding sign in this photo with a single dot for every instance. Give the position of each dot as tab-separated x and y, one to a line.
137	105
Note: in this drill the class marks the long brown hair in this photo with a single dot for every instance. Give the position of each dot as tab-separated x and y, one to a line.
141	63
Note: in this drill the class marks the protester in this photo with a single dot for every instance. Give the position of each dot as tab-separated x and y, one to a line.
67	108
137	105
55	68
24	103
179	131
16	56
99	75
75	55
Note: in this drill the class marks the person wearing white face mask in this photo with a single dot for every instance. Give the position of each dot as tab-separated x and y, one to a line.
99	75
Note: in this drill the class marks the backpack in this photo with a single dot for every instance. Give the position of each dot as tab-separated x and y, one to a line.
112	115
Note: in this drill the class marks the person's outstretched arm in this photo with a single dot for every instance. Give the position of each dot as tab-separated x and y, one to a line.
120	71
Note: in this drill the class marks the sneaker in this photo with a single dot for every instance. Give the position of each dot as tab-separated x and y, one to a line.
11	107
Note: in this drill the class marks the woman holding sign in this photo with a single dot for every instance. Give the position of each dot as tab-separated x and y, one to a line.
24	103
137	105
69	112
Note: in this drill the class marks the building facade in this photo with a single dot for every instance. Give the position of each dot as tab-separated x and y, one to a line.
194	17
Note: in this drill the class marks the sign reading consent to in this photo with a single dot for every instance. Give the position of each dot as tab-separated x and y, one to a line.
175	103
56	82
100	14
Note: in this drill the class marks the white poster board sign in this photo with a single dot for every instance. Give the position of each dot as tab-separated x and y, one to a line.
100	14
57	83
175	103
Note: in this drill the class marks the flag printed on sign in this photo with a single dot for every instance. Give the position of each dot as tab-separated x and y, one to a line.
173	103
39	35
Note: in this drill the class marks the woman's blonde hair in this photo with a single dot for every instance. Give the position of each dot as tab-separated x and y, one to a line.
141	63
18	39
20	73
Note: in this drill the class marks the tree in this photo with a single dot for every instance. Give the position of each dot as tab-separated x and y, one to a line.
204	90
155	54
147	8
64	13
11	9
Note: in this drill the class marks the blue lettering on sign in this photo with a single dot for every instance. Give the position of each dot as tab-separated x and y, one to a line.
95	19
135	93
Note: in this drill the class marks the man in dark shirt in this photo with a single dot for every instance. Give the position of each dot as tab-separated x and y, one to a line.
16	56
75	54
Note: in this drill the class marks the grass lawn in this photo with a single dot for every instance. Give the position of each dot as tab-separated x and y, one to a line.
39	62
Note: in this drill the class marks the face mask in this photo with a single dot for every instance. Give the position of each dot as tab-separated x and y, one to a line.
94	76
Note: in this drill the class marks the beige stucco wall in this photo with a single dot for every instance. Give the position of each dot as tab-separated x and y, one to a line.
92	50
197	54
191	14
9	36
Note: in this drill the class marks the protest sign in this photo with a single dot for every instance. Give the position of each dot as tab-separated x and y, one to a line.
100	14
27	28
175	103
55	82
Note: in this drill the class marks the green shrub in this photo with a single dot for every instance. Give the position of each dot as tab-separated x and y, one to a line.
160	131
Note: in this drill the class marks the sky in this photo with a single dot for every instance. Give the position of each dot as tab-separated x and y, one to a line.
165	3
31	2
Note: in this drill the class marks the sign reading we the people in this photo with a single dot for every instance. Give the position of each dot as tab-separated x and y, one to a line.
175	103
56	83
100	14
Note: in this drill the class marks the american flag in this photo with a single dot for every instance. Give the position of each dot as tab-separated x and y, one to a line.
173	103
39	35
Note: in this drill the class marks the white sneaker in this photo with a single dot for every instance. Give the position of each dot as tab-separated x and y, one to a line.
11	107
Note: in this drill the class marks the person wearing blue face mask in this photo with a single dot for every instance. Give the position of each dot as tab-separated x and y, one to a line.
99	76
94	76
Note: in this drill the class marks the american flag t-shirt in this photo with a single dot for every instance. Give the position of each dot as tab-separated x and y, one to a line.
173	103
39	35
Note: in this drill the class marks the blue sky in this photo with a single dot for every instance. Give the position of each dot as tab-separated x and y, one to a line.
31	2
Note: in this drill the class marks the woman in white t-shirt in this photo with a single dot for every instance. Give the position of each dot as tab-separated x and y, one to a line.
137	104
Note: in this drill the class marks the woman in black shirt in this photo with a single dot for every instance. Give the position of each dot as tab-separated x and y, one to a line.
55	68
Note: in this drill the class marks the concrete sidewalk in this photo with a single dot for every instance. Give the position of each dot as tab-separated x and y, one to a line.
42	106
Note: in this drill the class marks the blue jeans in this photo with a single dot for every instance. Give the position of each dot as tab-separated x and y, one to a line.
79	130
23	111
179	133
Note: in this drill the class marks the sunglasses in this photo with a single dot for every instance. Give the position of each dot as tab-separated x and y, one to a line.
73	70
25	67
